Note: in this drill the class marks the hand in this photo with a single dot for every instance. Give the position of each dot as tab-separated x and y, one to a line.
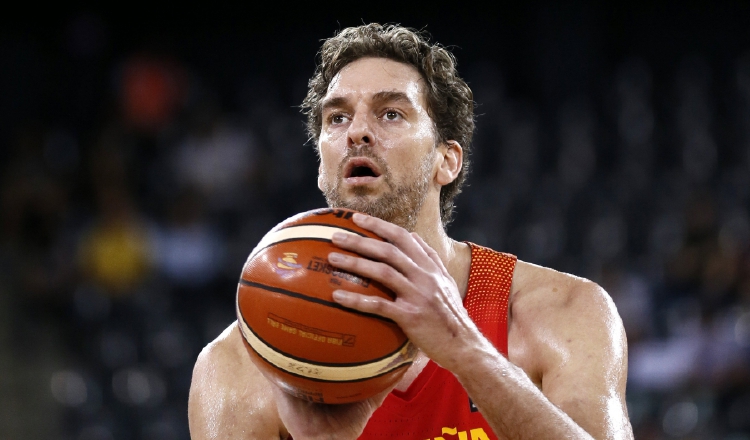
315	421
428	305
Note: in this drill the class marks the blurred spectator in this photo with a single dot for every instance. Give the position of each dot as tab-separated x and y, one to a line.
187	250
217	158
115	252
35	202
151	91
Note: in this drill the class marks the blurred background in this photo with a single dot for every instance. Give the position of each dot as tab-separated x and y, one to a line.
144	152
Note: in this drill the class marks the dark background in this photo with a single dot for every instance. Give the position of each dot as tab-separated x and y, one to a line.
144	151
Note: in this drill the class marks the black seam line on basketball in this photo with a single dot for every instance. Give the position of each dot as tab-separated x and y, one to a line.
315	300
322	364
327	225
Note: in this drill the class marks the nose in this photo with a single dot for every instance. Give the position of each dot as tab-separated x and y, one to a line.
360	132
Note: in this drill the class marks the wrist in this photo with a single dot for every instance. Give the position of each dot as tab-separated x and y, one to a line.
472	355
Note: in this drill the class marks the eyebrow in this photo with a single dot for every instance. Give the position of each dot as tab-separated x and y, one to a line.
379	98
392	96
337	101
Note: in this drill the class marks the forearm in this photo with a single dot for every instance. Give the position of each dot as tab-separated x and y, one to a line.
512	405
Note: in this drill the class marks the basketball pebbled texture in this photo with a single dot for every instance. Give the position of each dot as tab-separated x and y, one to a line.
295	333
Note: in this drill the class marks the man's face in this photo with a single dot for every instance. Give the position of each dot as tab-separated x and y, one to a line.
377	141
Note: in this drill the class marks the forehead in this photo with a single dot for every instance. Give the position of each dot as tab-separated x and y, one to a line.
368	76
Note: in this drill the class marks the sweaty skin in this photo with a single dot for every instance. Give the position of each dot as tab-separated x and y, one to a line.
566	370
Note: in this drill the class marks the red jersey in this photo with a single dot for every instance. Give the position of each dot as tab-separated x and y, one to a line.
435	406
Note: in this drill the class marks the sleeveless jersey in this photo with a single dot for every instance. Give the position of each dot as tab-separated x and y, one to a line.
435	406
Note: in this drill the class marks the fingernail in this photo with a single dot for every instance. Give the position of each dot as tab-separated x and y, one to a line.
339	295
334	257
339	236
357	217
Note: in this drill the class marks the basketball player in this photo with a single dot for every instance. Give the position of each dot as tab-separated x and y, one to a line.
508	349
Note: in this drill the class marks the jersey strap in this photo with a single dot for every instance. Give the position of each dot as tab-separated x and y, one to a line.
487	294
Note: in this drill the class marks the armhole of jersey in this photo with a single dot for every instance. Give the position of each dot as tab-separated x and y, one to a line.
488	293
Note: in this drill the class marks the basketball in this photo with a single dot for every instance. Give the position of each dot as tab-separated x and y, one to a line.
297	336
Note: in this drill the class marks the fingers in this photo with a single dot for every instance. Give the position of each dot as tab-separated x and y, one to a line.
367	304
404	263
399	250
382	272
373	249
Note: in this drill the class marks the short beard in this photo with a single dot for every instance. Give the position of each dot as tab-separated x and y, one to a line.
400	205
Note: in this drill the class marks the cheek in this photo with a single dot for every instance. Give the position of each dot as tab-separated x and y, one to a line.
328	159
415	135
325	175
333	136
426	131
331	141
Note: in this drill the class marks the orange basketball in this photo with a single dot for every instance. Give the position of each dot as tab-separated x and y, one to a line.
295	333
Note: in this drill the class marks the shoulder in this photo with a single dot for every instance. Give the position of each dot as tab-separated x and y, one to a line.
566	334
222	357
229	398
556	317
538	289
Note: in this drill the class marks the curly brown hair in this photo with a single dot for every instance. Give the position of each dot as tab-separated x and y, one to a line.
450	101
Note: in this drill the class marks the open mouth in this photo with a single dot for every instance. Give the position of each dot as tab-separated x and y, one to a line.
361	170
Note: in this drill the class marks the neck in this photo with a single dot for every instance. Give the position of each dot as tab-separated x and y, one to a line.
456	256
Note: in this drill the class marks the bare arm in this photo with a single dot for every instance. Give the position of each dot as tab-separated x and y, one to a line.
229	398
577	342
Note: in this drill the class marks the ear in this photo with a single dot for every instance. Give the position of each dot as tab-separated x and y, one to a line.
451	159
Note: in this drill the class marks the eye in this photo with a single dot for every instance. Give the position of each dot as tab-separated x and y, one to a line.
391	115
337	118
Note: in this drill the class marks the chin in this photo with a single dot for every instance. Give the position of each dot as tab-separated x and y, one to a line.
399	206
367	204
